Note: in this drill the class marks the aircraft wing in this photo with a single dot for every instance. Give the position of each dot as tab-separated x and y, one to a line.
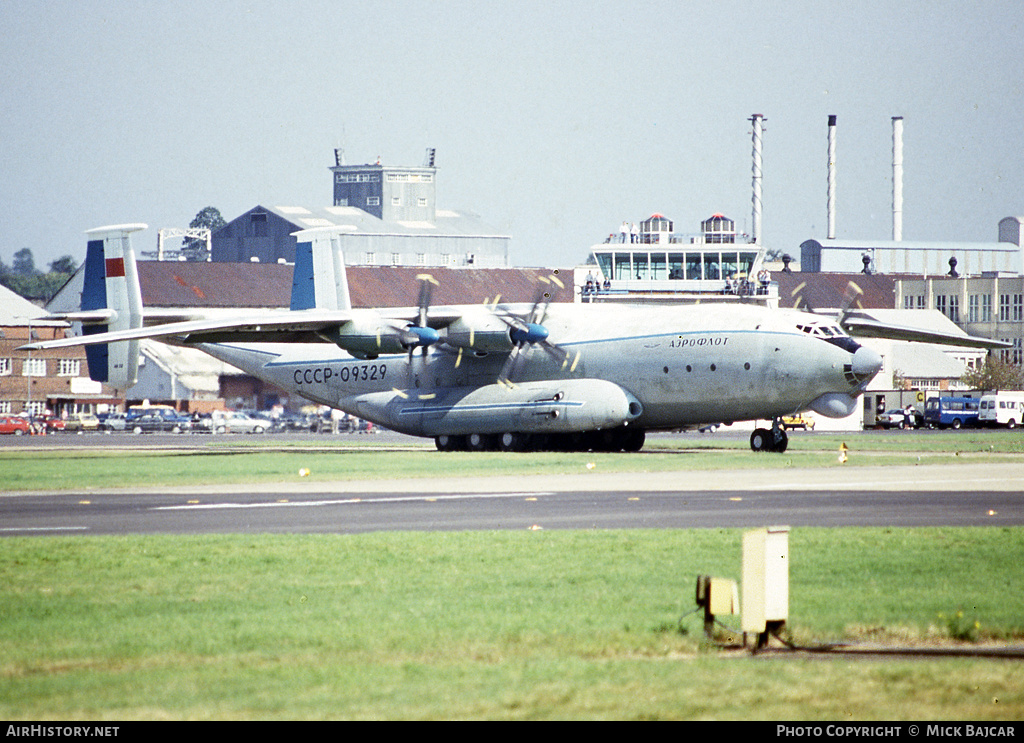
857	324
301	326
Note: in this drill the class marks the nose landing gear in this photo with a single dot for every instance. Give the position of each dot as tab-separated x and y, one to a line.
776	440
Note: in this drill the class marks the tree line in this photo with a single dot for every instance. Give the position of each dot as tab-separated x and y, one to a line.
23	278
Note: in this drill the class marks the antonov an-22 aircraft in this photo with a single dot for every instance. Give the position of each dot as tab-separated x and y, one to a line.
496	376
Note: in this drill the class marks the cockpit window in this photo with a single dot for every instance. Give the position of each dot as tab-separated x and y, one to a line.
822	331
831	333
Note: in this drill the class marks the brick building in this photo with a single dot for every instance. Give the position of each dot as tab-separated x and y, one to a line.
36	382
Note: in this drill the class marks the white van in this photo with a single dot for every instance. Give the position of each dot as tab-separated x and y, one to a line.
1001	409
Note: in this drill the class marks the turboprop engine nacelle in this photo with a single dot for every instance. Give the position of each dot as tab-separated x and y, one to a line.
368	335
560	406
480	331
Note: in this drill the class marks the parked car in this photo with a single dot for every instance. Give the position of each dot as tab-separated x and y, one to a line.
159	420
897	418
239	422
293	422
13	424
113	422
270	423
51	422
790	422
82	422
202	423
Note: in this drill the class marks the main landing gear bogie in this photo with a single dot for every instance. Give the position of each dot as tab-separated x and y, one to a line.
774	440
624	438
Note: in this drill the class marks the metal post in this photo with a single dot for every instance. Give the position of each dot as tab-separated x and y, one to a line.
755	228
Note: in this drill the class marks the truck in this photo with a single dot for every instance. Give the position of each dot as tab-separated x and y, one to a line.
1004	409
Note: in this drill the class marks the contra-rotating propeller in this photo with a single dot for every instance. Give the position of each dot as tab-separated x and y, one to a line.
851	294
421	335
530	332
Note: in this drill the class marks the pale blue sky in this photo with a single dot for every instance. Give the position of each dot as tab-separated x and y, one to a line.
553	121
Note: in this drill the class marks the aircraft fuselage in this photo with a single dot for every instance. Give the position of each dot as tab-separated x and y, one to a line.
650	367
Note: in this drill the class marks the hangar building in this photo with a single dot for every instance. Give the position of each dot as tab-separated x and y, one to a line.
387	214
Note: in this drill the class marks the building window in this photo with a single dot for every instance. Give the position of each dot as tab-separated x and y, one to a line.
940	303
973	306
370	258
259	224
954	307
34	368
421	202
421	259
1018	307
373	200
396	201
36	407
5	406
1012	355
1004	308
986	308
5	367
69	368
396	258
356	178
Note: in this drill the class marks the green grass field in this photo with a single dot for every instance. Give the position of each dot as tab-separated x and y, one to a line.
496	625
493	625
250	460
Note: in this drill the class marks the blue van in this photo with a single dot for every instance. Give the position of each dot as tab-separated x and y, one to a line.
951	412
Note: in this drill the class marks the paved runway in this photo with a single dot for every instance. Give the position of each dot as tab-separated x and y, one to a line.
982	494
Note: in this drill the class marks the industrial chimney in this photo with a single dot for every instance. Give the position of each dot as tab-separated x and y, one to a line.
897	178
831	177
755	230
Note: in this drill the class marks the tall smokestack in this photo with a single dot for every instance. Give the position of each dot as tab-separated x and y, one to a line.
832	177
755	230
897	178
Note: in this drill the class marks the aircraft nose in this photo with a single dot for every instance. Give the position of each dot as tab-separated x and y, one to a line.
866	364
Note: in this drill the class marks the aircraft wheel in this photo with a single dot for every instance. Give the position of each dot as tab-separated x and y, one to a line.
541	442
576	441
480	442
445	442
761	440
633	439
780	446
513	441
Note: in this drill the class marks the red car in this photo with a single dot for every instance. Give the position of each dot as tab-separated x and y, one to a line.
53	423
13	424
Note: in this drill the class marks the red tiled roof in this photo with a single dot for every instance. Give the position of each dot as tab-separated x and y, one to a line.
826	290
182	284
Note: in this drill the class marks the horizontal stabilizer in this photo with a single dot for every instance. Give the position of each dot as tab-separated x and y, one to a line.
102	316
